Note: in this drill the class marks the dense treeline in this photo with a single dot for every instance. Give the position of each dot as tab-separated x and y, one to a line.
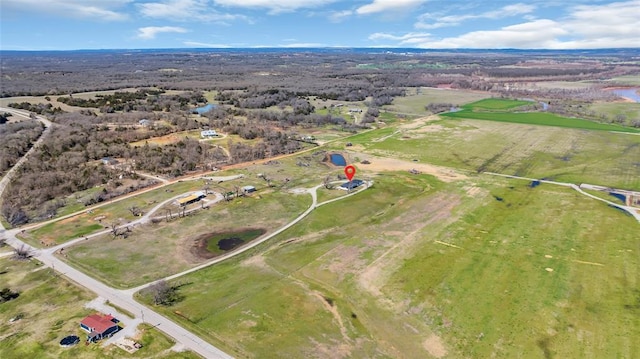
40	109
16	139
337	74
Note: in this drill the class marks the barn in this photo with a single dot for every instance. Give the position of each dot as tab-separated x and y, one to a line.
195	197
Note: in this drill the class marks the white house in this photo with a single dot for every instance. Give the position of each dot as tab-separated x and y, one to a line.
208	133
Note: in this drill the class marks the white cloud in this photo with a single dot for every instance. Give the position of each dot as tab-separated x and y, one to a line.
412	36
303	44
205	44
275	6
184	10
337	16
454	20
381	6
585	27
150	32
104	10
620	20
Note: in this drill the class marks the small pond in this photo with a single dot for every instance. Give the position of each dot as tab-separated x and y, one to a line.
204	109
227	241
338	159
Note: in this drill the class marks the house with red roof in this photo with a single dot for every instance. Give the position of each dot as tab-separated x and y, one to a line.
99	326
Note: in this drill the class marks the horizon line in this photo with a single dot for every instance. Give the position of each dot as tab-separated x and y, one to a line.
322	47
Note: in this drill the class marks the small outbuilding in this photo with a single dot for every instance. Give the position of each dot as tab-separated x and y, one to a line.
191	199
99	326
248	189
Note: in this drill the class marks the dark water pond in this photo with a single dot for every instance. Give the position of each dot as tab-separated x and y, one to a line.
619	196
227	241
338	159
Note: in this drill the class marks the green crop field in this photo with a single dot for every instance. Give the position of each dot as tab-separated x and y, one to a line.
537	118
52	308
496	104
414	267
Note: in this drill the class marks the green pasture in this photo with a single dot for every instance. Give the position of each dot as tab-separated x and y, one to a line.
279	312
547	286
539	118
496	104
571	155
378	274
153	251
416	99
53	308
613	110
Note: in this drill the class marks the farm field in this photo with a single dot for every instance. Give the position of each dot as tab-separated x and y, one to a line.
415	100
52	309
153	251
534	118
415	267
571	155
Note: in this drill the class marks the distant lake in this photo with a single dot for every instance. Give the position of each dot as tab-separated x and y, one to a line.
204	109
630	93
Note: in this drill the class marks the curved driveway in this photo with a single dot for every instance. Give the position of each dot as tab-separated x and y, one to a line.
124	298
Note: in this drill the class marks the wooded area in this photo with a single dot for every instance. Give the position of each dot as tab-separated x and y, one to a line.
265	97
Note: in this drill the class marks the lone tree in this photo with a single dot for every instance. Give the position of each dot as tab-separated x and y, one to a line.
22	252
135	211
163	293
114	229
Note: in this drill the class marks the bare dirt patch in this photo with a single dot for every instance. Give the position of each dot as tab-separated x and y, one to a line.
420	122
382	164
434	346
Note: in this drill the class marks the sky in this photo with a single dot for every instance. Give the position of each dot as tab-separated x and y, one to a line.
433	24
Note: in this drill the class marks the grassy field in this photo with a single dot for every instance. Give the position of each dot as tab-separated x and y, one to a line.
413	267
116	212
629	80
53	308
629	110
533	118
415	101
571	155
155	251
496	104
